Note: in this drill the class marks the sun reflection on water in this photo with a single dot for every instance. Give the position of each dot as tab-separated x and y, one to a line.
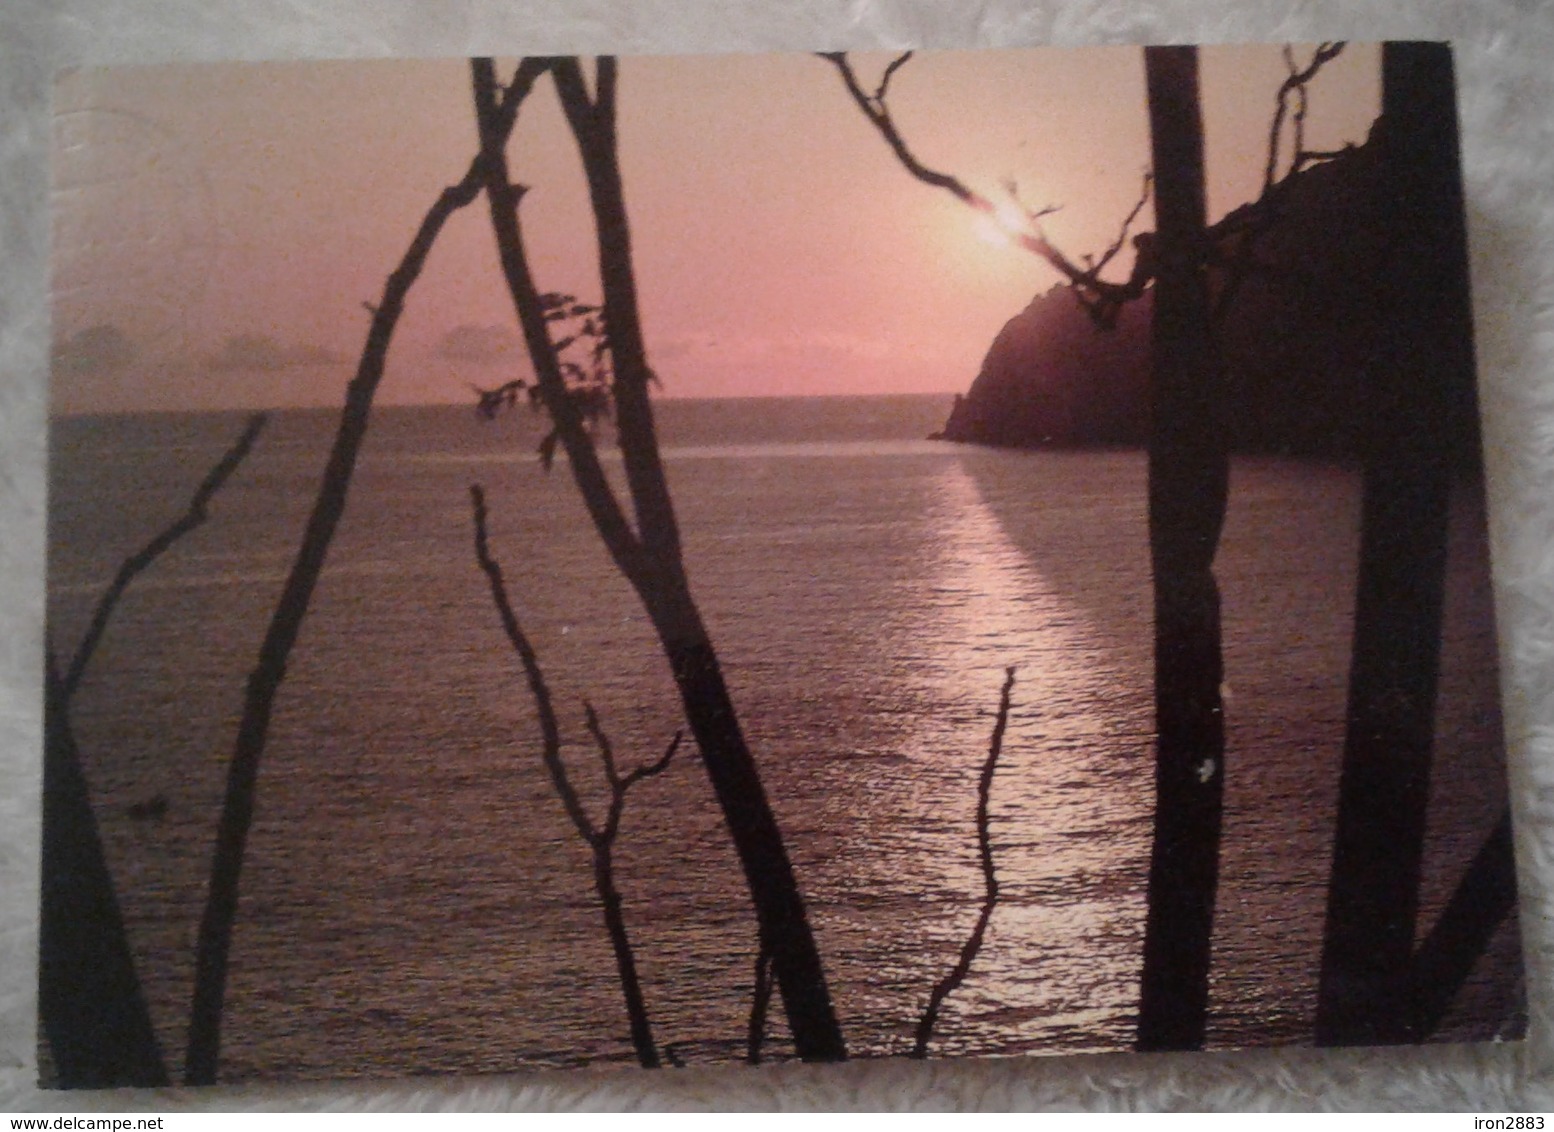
1062	944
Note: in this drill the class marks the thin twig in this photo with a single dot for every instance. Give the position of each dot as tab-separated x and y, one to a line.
619	786
1102	298
601	840
1248	225
895	65
1127	224
602	741
648	770
973	945
550	729
192	518
878	114
1295	85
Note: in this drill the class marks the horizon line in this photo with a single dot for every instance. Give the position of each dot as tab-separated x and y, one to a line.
67	414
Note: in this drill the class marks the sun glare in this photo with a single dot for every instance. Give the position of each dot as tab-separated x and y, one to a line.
1003	224
990	231
1010	217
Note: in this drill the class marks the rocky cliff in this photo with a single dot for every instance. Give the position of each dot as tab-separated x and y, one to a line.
1299	334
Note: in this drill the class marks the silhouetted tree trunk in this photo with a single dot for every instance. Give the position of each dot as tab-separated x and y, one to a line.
215	938
90	1003
760	1001
90	1000
1188	481
1480	904
1188	485
649	556
1421	384
782	919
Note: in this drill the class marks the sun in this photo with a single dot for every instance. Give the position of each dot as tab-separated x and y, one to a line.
990	231
1003	223
981	248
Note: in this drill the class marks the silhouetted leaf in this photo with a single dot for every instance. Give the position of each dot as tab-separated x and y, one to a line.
593	402
548	449
490	402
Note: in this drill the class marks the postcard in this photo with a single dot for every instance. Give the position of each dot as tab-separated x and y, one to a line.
586	562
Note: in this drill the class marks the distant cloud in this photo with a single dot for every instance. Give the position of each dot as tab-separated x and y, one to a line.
744	348
97	349
261	352
485	345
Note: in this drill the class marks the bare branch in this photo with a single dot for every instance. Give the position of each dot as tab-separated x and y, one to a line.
1127	223
1276	127
1250	224
973	943
878	114
111	1040
648	770
649	555
192	518
1294	87
895	65
1032	216
1103	299
605	838
550	730
1298	125
602	741
601	841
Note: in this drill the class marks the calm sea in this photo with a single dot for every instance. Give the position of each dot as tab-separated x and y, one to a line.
414	898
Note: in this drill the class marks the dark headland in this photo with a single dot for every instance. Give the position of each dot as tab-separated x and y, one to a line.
1299	334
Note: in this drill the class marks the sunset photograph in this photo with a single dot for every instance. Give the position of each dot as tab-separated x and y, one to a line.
570	562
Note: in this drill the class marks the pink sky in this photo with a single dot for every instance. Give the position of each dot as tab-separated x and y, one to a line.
780	249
